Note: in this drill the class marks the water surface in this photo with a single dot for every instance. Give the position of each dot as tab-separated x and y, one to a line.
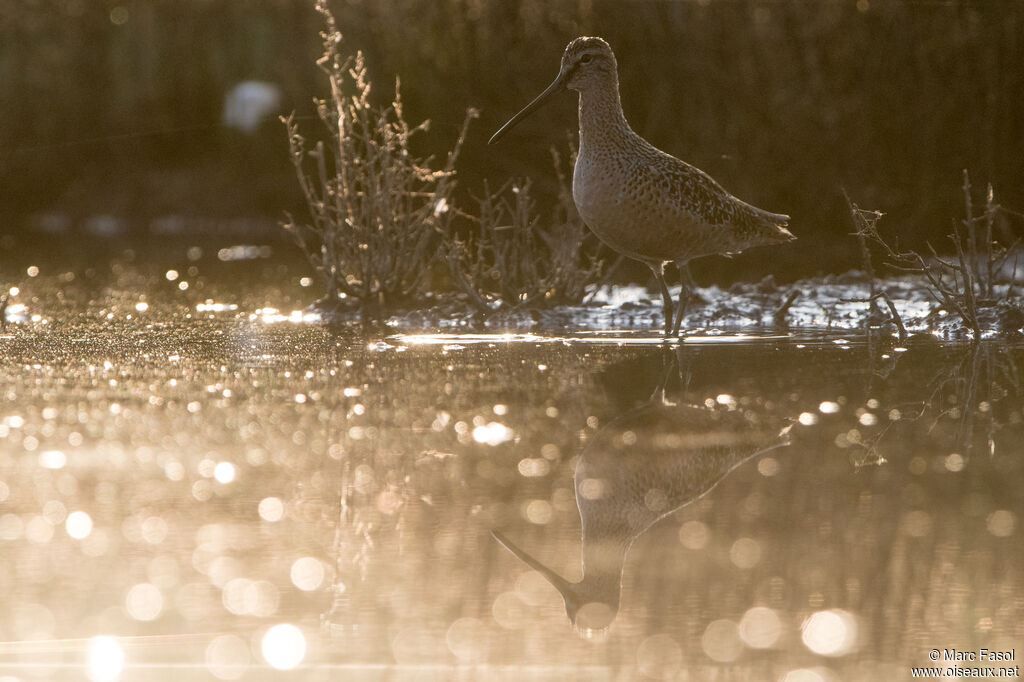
220	492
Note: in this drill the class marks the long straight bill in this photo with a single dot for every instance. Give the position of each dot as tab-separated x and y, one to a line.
555	86
561	584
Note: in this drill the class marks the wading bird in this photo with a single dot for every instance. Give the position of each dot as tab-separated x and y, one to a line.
639	468
640	201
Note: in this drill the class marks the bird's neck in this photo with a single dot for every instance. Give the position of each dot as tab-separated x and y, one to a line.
602	561
602	122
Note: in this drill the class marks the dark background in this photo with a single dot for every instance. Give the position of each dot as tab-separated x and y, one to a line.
115	108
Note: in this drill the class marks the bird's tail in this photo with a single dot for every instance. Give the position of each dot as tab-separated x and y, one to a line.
777	224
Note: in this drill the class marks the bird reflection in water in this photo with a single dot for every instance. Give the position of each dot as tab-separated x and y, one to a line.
639	468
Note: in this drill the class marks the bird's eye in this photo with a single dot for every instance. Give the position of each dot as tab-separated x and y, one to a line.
585	59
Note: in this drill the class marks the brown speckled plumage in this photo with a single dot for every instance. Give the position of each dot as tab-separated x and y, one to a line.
642	202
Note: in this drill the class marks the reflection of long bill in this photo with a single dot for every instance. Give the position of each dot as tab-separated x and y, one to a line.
543	97
564	587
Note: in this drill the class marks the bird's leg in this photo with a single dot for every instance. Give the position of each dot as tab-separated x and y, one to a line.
686	287
659	274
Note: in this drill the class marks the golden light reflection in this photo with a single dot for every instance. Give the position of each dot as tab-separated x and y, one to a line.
721	641
659	657
213	307
808	418
760	627
534	467
227	657
413	645
509	611
954	462
78	525
144	602
467	639
153	530
308	573
694	535
592	488
271	509
38	530
222	569
274	316
233	595
283	646
52	459
492	433
808	675
726	400
106	659
1001	523
224	472
768	466
745	553
261	599
916	524
538	512
828	407
830	633
11	527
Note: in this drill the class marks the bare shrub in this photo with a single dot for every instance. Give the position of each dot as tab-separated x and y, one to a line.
376	209
379	216
962	285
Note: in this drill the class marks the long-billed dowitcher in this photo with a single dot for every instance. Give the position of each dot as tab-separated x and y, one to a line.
640	201
639	468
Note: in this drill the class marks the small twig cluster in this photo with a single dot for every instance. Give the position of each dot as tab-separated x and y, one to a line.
962	285
510	260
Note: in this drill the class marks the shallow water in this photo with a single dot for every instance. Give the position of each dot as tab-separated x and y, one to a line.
219	492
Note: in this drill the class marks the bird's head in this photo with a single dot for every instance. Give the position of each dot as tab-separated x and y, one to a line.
587	63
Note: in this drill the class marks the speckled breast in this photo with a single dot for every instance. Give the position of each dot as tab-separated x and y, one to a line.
629	215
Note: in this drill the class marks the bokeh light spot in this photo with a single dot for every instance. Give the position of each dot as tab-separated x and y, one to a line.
745	553
467	639
284	646
721	641
308	573
828	407
52	459
659	656
539	512
227	657
144	602
760	627
271	509
694	535
78	525
1001	523
830	633
509	611
492	433
106	659
224	472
